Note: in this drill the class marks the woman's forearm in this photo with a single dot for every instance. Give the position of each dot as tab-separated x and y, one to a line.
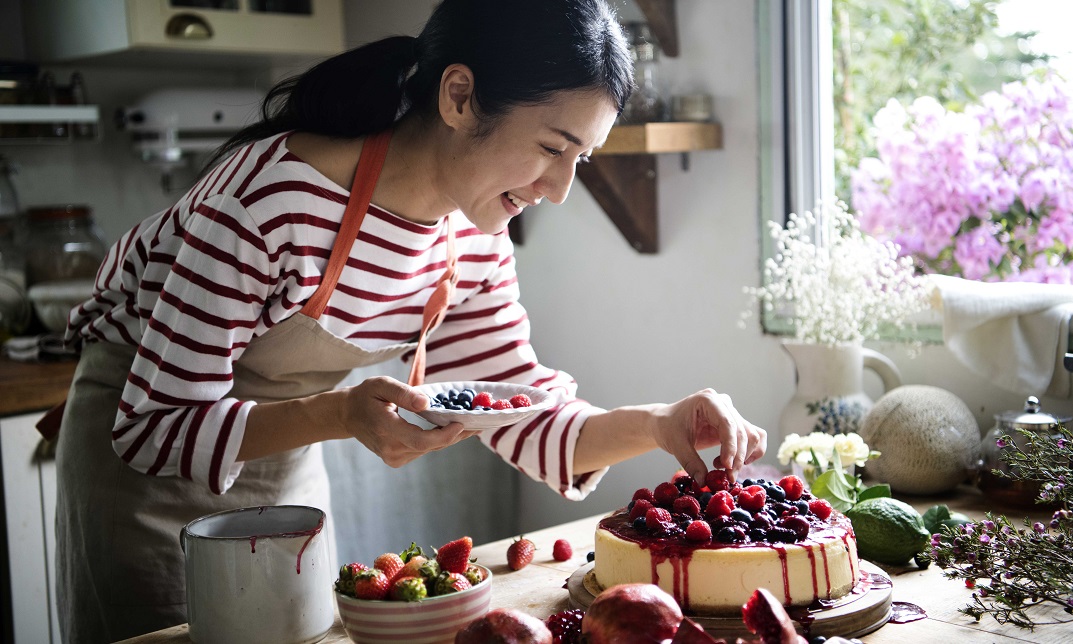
276	427
615	436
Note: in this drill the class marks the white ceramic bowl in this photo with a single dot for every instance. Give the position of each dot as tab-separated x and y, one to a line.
428	621
479	419
53	301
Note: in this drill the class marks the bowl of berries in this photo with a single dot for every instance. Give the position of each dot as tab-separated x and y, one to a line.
413	597
482	405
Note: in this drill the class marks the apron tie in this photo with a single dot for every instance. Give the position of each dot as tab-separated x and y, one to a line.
435	308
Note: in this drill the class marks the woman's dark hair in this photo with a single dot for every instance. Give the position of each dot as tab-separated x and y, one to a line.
521	52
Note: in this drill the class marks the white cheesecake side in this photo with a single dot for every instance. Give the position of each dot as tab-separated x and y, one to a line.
719	579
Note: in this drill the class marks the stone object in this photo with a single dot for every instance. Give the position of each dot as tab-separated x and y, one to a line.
928	438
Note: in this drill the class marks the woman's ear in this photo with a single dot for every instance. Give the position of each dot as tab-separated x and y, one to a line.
456	98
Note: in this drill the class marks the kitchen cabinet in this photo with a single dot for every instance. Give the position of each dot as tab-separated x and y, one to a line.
183	32
29	478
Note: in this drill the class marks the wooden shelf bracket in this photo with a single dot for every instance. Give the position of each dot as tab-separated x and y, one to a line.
624	186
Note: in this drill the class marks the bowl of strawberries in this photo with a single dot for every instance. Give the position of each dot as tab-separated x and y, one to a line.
413	596
482	405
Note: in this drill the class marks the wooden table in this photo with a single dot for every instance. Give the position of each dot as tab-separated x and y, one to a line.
539	588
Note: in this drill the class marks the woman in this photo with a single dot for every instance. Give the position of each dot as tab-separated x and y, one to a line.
220	327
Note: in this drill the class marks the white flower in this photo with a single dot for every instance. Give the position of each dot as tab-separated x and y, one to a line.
840	286
822	447
851	448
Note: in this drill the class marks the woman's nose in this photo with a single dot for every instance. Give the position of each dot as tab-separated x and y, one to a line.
555	184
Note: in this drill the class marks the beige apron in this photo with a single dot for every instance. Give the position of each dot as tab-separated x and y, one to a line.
120	571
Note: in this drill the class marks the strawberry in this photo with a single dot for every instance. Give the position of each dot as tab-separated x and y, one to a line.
483	399
474	574
451	582
454	556
687	505
717	480
752	498
655	517
720	505
699	531
520	400
561	551
520	553
793	487
640	507
390	563
412	568
502	403
429	570
371	584
408	589
666	493
821	508
350	571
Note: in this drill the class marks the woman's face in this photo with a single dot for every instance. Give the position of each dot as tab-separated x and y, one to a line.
530	155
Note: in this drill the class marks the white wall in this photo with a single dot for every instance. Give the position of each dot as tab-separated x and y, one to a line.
631	328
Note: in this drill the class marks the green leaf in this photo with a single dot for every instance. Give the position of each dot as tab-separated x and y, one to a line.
934	517
874	492
833	486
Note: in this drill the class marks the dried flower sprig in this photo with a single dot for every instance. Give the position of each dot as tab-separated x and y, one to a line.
837	284
1020	575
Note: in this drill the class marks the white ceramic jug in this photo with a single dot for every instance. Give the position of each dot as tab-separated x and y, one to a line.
259	575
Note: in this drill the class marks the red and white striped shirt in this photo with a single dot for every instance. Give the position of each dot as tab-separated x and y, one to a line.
243	250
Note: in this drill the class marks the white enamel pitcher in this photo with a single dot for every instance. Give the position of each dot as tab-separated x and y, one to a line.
259	575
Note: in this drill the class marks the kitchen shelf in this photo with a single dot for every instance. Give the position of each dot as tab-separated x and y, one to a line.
74	117
621	175
663	21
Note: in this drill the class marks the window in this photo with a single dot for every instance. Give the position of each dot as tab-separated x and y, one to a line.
824	94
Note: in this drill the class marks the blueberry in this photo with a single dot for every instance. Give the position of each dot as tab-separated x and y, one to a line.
469	391
780	507
775	492
453	407
761	481
452	393
726	535
741	515
629	506
639	523
465	395
704	498
442	397
757	534
591	556
802	507
486	409
748	482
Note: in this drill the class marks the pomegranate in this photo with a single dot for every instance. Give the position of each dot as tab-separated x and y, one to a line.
631	614
504	626
765	616
690	632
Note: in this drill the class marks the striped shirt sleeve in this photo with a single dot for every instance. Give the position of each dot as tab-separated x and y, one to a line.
175	418
486	337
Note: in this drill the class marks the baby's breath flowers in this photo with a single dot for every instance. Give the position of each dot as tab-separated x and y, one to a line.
1020	575
838	284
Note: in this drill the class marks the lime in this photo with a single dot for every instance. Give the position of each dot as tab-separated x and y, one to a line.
888	531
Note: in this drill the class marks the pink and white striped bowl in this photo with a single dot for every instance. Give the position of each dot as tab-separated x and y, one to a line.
429	621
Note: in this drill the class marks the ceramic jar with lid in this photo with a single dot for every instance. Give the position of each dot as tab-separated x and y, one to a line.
1011	423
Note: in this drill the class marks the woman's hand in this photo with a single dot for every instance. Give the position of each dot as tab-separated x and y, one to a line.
703	420
370	414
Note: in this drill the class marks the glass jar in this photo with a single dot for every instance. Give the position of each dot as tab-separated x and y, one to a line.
64	244
1000	488
646	104
14	306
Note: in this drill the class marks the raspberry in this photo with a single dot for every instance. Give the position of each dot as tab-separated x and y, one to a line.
639	509
699	531
483	399
520	400
717	480
793	486
502	403
655	517
644	493
687	505
721	505
821	508
565	626
561	550
752	498
666	493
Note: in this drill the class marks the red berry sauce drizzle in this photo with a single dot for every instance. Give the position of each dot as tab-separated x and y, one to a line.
310	533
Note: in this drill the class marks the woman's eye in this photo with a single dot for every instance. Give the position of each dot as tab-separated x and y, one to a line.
552	151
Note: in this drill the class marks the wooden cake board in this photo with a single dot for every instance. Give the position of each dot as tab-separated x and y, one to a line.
861	612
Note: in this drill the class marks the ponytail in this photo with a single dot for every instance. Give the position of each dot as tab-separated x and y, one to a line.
356	93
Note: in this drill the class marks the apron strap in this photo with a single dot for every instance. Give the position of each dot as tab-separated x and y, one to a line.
373	152
435	307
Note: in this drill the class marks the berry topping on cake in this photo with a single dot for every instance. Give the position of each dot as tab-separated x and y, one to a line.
820	507
699	531
721	504
752	498
646	494
717	480
687	505
792	486
640	508
666	493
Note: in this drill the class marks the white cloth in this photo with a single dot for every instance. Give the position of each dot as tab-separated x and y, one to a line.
1015	334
